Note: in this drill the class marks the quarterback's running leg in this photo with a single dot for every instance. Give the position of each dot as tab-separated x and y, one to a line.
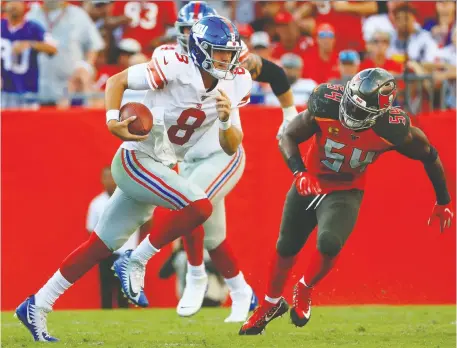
336	216
217	175
149	181
296	225
121	217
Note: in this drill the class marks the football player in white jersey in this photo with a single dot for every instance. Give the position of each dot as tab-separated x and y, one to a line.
187	96
211	169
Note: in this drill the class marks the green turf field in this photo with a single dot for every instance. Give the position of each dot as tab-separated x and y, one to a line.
365	327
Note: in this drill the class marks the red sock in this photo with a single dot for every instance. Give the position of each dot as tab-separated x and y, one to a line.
82	259
193	245
177	223
224	260
319	266
280	271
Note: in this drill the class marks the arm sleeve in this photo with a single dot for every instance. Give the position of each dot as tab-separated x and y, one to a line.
39	32
275	76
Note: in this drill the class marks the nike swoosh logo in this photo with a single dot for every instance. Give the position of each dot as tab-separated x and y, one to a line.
307	314
134	294
29	320
269	317
165	61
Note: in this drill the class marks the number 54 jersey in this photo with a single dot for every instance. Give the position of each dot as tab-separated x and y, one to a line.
338	156
183	109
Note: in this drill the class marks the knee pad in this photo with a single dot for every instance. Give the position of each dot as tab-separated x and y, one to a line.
329	244
287	249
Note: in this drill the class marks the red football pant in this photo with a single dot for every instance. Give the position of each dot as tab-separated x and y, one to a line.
178	223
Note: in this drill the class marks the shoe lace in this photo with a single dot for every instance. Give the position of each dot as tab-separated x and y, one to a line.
41	320
137	273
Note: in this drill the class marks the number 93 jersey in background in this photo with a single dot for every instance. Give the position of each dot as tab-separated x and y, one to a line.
182	108
338	156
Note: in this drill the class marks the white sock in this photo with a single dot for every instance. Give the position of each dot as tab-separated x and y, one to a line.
51	291
302	280
272	300
144	251
237	283
196	271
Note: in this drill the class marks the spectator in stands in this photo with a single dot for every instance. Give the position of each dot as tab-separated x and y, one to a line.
148	21
443	70
410	41
348	66
290	40
345	16
261	45
301	88
110	27
78	43
383	21
441	26
321	62
245	31
109	284
377	54
269	10
21	42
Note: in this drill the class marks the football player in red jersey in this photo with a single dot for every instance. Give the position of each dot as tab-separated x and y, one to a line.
351	126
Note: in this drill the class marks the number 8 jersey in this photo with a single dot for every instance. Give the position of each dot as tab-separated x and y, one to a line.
338	156
183	109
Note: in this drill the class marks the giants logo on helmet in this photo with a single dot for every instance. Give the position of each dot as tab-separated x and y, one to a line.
199	29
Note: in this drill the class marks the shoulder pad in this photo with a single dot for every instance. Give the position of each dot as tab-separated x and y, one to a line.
325	100
393	126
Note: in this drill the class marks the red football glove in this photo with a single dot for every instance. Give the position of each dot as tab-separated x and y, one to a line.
306	184
444	214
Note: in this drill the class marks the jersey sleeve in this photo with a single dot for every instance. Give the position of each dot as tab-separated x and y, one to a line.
324	101
38	32
393	126
159	72
243	88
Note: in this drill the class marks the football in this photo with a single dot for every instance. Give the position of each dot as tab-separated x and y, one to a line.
144	121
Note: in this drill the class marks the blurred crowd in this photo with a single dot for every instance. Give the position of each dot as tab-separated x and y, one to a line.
72	47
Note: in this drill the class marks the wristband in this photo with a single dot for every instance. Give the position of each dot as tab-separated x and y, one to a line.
295	164
112	115
224	125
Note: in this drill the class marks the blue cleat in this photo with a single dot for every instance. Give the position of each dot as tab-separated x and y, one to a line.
254	302
131	275
35	320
